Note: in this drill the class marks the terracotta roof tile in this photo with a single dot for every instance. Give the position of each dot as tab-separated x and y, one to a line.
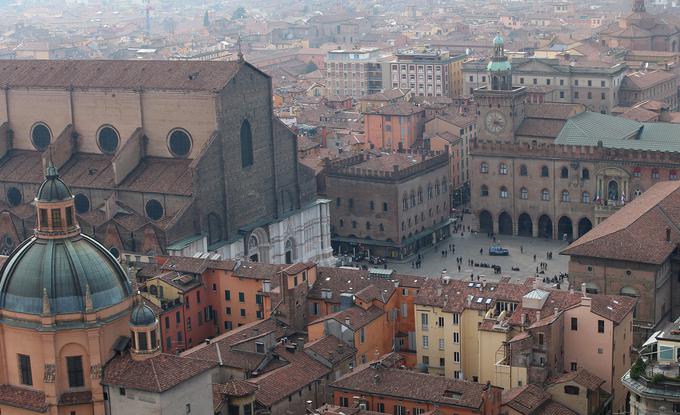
525	399
354	317
155	374
23	398
637	232
331	348
231	388
582	377
163	75
411	386
282	382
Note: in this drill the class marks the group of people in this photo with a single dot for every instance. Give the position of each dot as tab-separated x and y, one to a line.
415	263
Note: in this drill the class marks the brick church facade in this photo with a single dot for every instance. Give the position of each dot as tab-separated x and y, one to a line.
174	158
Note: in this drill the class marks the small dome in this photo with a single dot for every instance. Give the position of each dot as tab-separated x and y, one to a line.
53	189
63	270
498	40
142	315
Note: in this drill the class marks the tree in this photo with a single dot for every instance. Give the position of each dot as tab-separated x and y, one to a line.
206	19
239	13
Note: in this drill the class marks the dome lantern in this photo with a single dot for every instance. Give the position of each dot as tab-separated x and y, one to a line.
144	331
59	270
55	207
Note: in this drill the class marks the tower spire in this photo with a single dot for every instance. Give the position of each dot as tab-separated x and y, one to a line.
240	50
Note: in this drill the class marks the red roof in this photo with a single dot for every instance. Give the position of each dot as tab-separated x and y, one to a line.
155	374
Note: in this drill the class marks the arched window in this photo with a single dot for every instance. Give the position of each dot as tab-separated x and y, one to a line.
564	173
420	195
436	188
523	170
14	196
585	197
504	192
545	172
545	194
655	173
503	168
565	195
368	226
341	222
524	193
82	203
246	144
484	167
381	227
429	191
585	174
413	198
485	191
404	202
290	251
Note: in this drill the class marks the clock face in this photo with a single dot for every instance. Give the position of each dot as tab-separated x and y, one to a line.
494	122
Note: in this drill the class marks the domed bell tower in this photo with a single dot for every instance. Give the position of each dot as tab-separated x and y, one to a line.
500	106
144	331
55	208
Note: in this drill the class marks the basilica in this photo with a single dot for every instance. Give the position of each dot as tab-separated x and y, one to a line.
163	157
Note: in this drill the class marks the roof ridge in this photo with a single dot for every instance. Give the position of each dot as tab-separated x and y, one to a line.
155	374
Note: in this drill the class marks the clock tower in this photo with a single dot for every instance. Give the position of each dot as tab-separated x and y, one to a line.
500	106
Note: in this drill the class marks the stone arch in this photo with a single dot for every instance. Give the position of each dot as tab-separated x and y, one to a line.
71	350
485	221
504	224
258	246
525	226
584	226
545	227
565	227
289	250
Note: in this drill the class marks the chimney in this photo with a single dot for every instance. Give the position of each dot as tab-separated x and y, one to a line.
584	293
535	285
341	348
439	292
524	318
347	321
376	378
668	234
556	310
538	315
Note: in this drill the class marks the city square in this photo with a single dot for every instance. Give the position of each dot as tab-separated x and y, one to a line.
525	256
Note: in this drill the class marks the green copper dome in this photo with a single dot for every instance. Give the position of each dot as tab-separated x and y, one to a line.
65	272
498	40
498	66
142	315
53	189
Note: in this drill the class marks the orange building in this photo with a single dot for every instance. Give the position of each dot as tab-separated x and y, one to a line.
395	126
198	298
382	387
335	290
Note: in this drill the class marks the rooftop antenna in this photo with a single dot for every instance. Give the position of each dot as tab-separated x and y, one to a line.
240	51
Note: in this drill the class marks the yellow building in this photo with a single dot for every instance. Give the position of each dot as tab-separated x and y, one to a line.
515	334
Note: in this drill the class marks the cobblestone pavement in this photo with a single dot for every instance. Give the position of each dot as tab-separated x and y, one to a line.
522	251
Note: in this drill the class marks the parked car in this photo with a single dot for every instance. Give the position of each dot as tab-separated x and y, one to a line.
498	250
